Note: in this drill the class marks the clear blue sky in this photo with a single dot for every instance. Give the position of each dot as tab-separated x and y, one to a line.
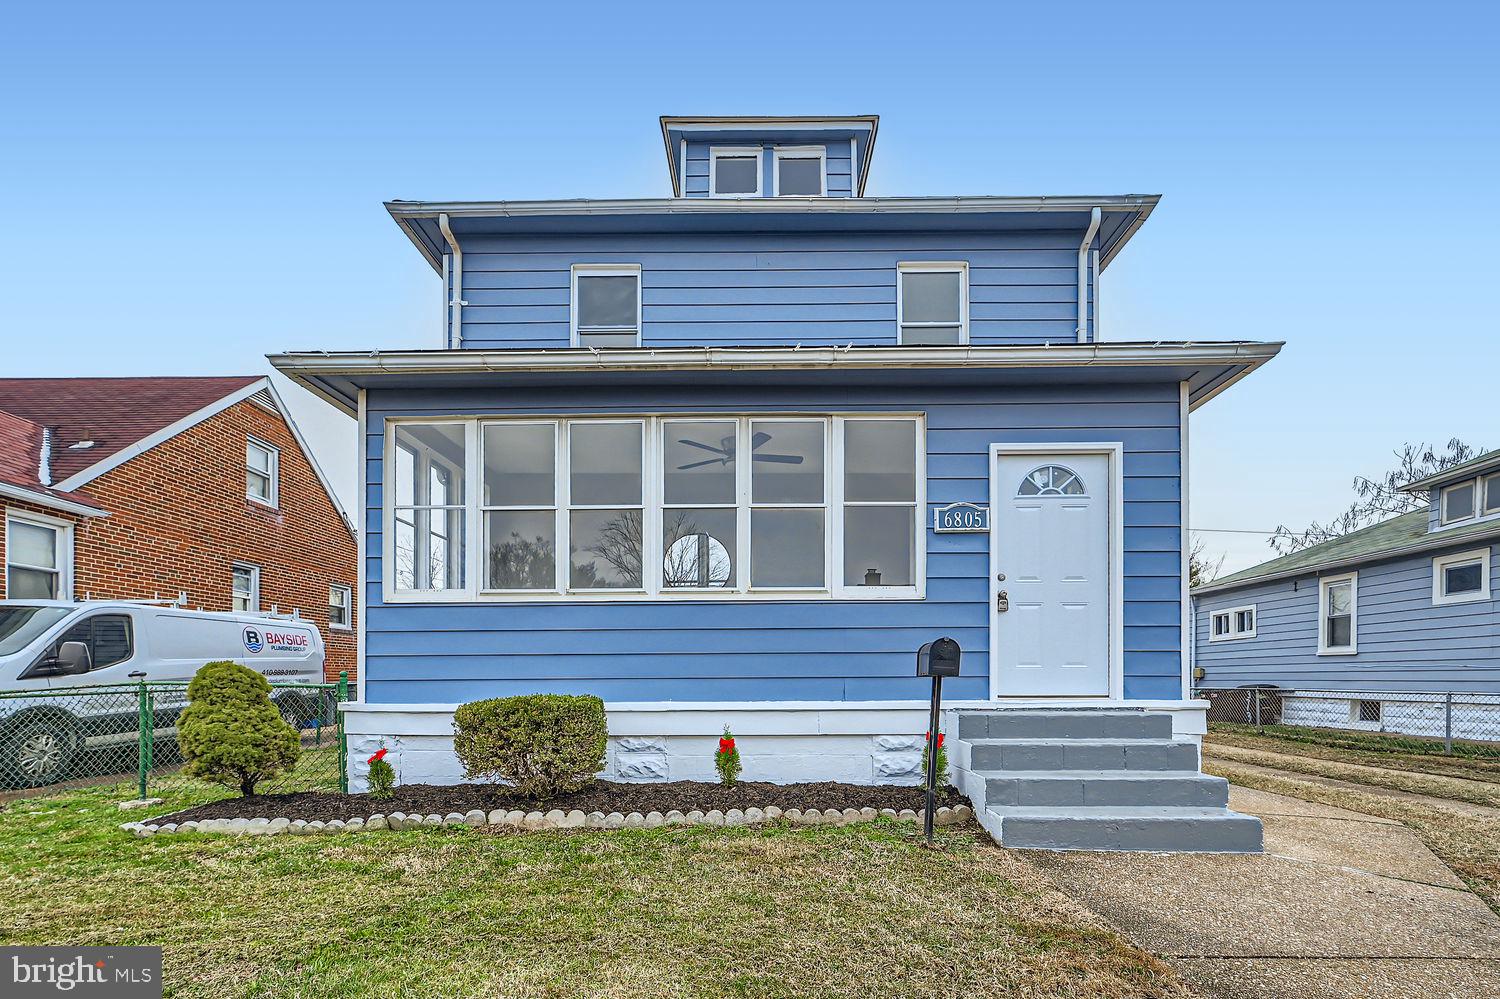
192	186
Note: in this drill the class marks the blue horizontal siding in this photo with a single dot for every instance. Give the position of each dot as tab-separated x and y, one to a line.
1405	642
791	649
738	289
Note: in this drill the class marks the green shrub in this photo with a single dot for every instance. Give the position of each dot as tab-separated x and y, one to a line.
942	761
230	733
382	776
541	744
727	758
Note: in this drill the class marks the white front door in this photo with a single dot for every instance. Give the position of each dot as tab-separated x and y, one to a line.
1050	540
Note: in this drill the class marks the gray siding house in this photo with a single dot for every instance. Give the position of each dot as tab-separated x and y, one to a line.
1406	605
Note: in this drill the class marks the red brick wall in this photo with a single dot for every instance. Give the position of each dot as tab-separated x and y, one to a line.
179	518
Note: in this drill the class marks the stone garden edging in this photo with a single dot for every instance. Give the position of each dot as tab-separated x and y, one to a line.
555	819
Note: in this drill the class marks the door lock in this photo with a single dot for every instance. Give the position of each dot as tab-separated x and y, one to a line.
1002	601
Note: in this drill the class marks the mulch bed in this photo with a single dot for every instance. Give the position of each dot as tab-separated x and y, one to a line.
600	796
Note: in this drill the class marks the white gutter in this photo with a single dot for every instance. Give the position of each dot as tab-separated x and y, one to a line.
1095	217
456	303
53	502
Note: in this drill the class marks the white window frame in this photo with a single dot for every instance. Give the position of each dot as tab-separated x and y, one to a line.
1324	582
254	594
63	550
474	590
1491	486
716	153
602	270
348	605
1442	563
1233	633
961	267
819	153
273	465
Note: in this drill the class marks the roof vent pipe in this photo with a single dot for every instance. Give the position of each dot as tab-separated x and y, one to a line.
1083	274
456	303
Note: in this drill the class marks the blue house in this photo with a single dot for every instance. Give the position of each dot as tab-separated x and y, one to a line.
731	456
1405	606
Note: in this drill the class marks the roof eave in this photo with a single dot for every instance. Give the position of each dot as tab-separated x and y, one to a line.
52	502
1482	465
1430	543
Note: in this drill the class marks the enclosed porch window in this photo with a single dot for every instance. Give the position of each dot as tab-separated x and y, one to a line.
699	506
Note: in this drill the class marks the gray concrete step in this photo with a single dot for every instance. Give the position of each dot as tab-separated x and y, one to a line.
1082	788
1082	754
1167	830
1102	724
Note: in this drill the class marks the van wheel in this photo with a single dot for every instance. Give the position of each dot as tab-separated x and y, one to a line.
39	751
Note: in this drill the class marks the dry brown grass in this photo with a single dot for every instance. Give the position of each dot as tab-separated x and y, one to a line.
1387	776
1480	769
773	911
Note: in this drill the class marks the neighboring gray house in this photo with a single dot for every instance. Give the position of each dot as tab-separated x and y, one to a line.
1404	605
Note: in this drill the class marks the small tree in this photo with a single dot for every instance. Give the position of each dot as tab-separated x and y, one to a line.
942	760
230	733
382	776
727	758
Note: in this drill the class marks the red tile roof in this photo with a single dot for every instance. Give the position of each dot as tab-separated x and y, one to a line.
114	413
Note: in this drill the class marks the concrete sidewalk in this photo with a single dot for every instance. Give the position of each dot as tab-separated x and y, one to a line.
1341	904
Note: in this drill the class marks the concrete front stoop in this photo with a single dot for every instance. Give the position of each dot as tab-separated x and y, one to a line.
1094	780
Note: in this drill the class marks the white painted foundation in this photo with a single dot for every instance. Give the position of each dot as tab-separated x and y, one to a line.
860	742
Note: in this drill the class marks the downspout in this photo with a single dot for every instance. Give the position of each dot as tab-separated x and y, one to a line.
456	303
1083	274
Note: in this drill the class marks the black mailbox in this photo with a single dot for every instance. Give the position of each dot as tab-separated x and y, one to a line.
938	658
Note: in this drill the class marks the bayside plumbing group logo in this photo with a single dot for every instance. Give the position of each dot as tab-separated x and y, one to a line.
116	972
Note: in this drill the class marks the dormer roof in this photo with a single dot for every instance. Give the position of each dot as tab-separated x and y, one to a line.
676	129
1485	463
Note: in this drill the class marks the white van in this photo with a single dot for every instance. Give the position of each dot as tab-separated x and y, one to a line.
46	645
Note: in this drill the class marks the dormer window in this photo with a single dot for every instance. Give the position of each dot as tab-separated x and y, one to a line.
734	173
800	172
606	305
932	301
1492	494
1458	502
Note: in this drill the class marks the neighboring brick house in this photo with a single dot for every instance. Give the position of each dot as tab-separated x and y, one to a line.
151	488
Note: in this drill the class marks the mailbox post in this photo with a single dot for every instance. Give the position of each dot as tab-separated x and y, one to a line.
936	659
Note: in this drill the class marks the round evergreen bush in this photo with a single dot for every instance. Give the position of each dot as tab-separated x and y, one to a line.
541	744
230	733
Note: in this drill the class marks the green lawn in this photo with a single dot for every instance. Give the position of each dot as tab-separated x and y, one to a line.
863	909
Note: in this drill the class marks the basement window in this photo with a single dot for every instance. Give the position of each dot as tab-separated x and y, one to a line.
1366	711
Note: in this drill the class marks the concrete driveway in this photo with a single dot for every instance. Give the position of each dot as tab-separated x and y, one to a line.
1341	904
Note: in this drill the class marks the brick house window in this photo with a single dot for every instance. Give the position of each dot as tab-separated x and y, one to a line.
340	600
38	557
245	588
262	470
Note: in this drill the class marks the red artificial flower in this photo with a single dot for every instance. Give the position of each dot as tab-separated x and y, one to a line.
380	755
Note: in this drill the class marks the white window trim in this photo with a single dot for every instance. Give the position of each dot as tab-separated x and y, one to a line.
348	592
1443	562
819	153
274	468
1481	513
602	270
715	153
961	267
474	592
1233	634
1483	505
1324	649
255	601
64	550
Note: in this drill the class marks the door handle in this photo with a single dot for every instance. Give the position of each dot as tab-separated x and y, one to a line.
1002	602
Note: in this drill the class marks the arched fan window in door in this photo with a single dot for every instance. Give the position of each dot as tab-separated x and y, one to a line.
1051	480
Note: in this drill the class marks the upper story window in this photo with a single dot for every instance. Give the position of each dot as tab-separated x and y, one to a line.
38	557
1458	502
606	305
636	507
1233	623
1461	577
734	172
800	172
932	302
262	470
1492	494
1338	615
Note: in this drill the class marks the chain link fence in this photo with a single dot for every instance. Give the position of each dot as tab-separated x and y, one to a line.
1451	723
126	734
